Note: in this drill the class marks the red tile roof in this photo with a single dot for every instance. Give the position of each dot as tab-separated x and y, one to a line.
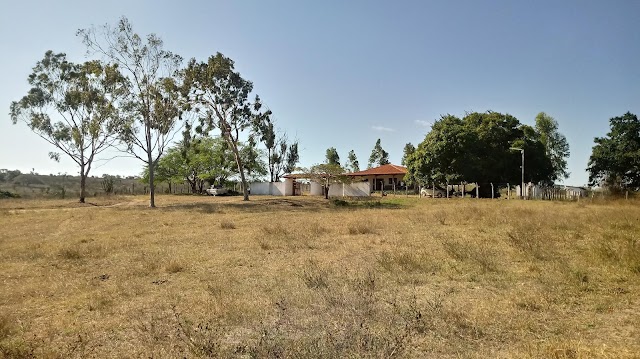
381	171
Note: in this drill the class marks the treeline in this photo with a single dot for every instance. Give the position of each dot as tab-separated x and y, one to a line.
138	97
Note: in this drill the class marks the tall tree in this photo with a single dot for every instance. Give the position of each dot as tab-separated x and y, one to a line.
352	162
282	156
71	106
152	109
615	158
332	156
409	149
292	158
221	97
555	144
378	156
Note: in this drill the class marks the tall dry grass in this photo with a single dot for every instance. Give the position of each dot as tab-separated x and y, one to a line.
305	277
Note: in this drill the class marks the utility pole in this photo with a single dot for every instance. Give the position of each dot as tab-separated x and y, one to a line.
522	184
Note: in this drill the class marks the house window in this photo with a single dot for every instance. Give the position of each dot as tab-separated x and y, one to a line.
391	180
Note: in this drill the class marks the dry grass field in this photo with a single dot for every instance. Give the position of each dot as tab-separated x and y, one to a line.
307	278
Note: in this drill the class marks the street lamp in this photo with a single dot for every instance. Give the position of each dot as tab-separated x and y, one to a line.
522	185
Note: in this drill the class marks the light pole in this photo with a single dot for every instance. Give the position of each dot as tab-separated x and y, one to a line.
521	185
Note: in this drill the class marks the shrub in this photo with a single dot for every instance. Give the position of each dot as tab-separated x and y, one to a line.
227	224
7	194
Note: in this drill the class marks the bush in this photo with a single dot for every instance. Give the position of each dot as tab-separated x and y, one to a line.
7	194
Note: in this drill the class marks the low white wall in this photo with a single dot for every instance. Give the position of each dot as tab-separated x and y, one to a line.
316	189
357	189
260	188
272	189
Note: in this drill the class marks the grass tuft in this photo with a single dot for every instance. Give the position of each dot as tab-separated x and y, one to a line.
70	254
227	224
361	228
174	267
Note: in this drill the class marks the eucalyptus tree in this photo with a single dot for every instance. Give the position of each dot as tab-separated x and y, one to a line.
152	110
73	107
555	144
408	150
282	156
352	162
378	156
332	157
220	97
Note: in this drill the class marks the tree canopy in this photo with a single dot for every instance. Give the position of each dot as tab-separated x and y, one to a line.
352	162
282	156
378	156
555	144
152	109
332	156
220	97
73	107
205	159
408	150
615	158
477	148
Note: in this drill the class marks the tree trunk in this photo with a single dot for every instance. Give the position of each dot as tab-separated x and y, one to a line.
194	187
83	182
236	154
326	189
152	191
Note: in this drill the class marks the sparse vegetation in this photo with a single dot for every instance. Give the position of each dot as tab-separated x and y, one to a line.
435	278
227	224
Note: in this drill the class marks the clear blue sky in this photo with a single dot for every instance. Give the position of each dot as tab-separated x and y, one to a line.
345	73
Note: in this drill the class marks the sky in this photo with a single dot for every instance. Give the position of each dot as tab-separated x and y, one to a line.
344	73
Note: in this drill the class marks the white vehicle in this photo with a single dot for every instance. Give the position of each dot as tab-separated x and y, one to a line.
216	191
428	192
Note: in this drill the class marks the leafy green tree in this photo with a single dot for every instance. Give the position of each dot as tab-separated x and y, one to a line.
615	158
153	108
332	157
221	97
477	149
409	149
206	159
378	156
71	106
555	144
352	162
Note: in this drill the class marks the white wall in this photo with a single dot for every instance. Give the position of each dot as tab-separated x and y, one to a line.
288	187
260	188
357	189
316	189
272	189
